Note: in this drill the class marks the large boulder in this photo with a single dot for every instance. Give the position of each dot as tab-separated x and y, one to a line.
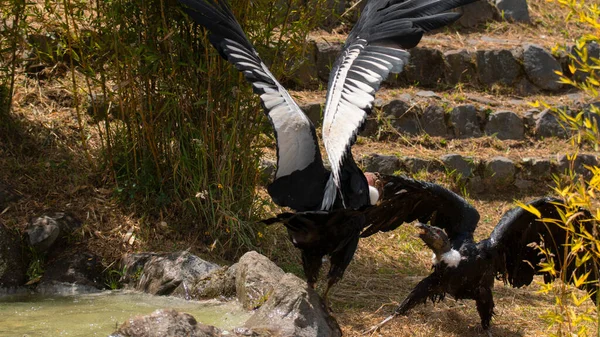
548	125
161	274
403	116
500	171
434	121
541	67
460	166
13	262
293	309
256	277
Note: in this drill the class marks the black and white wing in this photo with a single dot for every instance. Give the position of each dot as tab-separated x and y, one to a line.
374	49
406	200
300	176
519	233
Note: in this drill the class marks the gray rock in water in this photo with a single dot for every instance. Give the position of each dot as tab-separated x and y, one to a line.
255	278
548	125
326	55
465	121
13	263
381	163
44	231
514	10
426	66
497	66
459	65
165	323
161	274
434	121
500	171
219	283
477	13
505	125
540	67
293	309
462	167
403	116
81	269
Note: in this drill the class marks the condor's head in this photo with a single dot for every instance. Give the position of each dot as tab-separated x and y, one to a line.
437	240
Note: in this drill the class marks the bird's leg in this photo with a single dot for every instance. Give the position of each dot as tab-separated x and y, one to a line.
485	307
421	292
311	264
339	261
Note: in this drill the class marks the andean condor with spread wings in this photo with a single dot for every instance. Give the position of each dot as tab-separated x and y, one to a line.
466	269
326	201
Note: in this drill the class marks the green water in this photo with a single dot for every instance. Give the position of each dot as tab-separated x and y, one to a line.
100	314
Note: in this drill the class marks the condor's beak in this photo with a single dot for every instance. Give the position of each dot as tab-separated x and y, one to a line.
423	228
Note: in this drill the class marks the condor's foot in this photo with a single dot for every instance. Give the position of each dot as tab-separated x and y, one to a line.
376	328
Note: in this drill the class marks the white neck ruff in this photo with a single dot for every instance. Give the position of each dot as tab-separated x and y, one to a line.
451	258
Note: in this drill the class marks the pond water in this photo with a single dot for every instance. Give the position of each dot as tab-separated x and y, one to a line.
101	314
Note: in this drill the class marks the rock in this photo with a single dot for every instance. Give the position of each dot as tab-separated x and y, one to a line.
427	94
415	164
537	168
434	121
165	323
463	168
500	171
313	112
403	116
497	66
548	125
578	165
540	67
370	128
293	309
13	263
523	184
161	274
44	231
81	272
219	283
464	121
459	66
477	13
381	163
524	88
267	169
593	52
476	185
255	279
514	10
426	66
505	125
326	55
529	118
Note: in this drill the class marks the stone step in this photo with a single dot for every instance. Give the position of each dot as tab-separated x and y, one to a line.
476	174
523	68
479	175
452	115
